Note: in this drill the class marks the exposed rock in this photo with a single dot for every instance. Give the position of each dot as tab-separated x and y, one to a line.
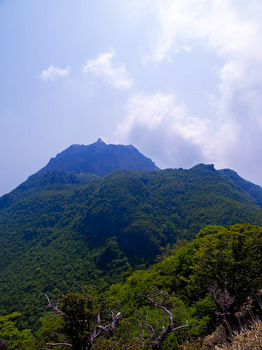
99	158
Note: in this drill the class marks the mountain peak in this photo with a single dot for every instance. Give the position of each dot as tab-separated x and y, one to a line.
100	141
99	160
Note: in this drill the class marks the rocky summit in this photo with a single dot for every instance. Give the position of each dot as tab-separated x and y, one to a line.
100	159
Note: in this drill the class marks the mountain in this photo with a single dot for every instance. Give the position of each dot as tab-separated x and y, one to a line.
252	190
100	159
69	223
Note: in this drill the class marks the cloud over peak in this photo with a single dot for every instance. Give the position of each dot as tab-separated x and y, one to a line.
164	130
54	73
114	74
232	31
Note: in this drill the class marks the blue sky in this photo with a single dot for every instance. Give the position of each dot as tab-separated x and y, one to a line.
180	80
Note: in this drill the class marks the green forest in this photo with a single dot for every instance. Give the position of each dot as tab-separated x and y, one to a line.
133	260
210	284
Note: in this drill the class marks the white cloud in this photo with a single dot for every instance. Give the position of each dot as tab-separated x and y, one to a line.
54	73
233	30
163	130
116	75
184	48
213	23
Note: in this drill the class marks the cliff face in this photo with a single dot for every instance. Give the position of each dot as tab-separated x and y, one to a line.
100	159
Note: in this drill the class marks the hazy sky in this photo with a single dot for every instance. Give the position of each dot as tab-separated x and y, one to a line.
181	80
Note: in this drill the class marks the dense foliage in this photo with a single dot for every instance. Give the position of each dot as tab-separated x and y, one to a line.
12	338
214	281
60	227
254	191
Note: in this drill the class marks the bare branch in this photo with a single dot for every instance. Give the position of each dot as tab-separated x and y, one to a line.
79	286
222	298
96	329
110	328
53	307
159	306
180	327
149	326
158	340
224	301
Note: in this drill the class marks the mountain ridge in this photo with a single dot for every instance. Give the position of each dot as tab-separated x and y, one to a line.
61	226
100	159
253	190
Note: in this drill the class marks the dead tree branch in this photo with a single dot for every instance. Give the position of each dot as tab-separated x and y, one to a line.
109	329
158	340
53	307
96	330
224	302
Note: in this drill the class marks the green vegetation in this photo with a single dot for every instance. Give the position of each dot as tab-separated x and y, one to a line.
209	279
91	243
61	227
12	338
254	191
202	295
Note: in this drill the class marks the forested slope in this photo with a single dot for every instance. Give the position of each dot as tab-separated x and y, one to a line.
60	227
198	297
